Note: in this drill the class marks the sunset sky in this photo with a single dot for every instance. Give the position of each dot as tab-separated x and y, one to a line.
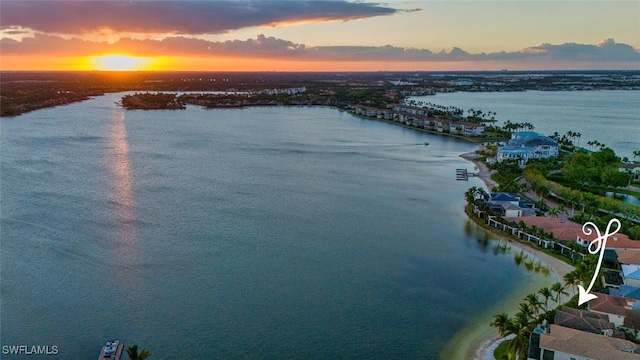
318	35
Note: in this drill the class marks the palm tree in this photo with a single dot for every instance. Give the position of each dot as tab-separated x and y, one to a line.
522	227
559	290
546	294
133	353
572	279
553	212
470	195
534	302
521	324
482	193
501	322
526	313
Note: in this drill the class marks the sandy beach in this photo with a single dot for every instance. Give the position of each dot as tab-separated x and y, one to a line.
484	343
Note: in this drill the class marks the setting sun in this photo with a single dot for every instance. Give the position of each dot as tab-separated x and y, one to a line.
121	62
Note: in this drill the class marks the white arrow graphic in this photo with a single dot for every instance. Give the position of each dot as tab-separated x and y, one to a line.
597	245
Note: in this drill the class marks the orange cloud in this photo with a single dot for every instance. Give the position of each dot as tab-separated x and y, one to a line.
262	52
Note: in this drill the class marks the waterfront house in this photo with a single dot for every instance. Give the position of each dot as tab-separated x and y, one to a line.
510	205
513	199
621	311
584	320
615	241
520	153
505	204
544	146
527	145
563	343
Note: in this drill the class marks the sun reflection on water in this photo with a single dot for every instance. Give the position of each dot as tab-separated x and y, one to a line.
124	239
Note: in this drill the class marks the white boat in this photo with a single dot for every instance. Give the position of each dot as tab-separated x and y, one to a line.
111	348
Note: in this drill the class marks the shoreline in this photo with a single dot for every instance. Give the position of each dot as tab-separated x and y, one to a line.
484	339
435	132
477	339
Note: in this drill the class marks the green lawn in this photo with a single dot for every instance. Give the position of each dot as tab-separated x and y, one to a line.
501	353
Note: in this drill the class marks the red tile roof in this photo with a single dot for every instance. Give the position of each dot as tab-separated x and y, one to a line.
587	345
628	256
570	231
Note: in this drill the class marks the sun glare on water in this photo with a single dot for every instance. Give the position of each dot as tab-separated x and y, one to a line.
121	63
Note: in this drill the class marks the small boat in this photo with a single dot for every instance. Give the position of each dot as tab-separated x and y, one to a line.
111	350
426	143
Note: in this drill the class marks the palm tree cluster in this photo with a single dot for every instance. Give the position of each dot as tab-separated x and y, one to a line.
511	126
479	116
583	273
596	145
574	135
564	140
440	110
530	313
533	310
452	112
474	193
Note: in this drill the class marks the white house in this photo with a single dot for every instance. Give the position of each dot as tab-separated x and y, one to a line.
527	145
520	153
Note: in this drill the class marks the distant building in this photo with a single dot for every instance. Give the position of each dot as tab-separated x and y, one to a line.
468	128
402	83
461	82
633	169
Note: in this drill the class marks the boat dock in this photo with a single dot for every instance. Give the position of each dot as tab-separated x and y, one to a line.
115	356
464	175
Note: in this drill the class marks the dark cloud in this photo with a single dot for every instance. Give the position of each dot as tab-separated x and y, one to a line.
176	16
608	51
49	44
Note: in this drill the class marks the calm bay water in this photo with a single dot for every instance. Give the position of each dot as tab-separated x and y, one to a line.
611	117
255	233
